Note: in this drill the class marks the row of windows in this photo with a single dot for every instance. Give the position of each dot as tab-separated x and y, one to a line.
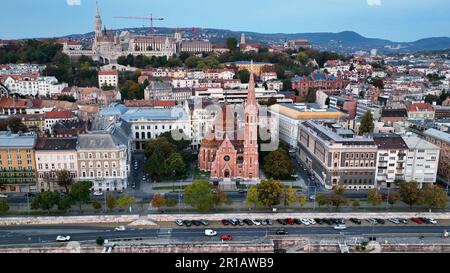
99	164
100	174
357	181
99	155
358	155
53	166
359	164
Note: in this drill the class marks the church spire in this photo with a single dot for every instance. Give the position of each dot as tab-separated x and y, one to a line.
251	97
98	10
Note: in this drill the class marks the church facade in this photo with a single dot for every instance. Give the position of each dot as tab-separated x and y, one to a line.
231	149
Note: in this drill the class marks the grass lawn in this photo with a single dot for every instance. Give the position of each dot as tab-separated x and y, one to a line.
177	187
198	174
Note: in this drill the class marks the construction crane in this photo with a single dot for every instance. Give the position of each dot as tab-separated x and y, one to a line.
151	19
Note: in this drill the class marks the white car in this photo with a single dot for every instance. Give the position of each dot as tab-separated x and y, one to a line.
311	221
98	193
210	232
394	220
63	238
256	222
304	221
120	228
372	221
3	196
340	227
179	222
433	221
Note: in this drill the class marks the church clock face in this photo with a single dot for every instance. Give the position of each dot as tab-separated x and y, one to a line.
226	158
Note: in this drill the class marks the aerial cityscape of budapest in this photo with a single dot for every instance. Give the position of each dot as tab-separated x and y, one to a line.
224	127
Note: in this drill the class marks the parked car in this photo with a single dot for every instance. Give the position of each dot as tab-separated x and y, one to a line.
282	221
372	221
269	222
3	196
356	221
98	193
204	222
281	232
179	222
311	221
290	221
380	221
416	220
403	220
256	222
225	222
394	220
425	220
318	221
298	221
327	221
340	221
248	222
263	222
432	221
63	238
120	228
226	237
196	223
210	232
304	221
240	222
187	223
340	227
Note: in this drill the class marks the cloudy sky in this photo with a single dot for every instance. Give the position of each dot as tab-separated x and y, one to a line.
397	20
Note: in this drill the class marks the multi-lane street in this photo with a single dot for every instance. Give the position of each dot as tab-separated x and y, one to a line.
30	235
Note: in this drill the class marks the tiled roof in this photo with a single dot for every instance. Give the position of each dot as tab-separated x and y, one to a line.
389	141
56	144
108	73
58	114
420	106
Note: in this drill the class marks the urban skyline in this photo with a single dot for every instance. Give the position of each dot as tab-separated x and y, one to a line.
394	20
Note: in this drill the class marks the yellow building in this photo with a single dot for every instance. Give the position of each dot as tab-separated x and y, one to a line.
34	122
256	67
17	163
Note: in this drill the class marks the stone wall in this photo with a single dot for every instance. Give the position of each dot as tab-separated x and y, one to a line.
19	221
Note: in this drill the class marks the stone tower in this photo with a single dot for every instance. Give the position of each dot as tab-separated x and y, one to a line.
98	23
243	38
251	165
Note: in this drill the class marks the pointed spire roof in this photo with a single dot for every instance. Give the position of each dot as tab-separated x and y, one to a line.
98	10
251	98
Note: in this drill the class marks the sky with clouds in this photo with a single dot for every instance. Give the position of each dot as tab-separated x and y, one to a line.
397	20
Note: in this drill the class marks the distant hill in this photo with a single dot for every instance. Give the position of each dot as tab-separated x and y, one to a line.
343	42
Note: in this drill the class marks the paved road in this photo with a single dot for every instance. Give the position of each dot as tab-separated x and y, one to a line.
46	234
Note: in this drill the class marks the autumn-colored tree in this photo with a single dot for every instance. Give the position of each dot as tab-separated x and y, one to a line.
289	196
269	192
434	196
393	198
126	201
111	201
252	197
158	201
199	195
410	193
220	197
323	199
302	201
374	198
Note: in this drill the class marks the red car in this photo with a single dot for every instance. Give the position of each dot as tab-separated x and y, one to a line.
290	221
417	220
226	237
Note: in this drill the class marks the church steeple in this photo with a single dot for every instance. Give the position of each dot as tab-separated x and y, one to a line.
251	97
98	23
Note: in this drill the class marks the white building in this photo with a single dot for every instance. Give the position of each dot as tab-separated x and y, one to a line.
422	160
53	155
108	78
391	159
33	85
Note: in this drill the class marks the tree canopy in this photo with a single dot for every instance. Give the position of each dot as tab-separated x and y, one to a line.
199	195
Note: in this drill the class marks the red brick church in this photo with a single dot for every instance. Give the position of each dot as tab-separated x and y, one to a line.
227	152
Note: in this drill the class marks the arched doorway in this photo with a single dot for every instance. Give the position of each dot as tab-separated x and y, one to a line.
226	174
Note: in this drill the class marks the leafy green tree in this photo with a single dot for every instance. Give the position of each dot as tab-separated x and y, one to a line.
68	98
270	192
175	165
373	197
158	201
100	241
126	201
63	179
244	75
16	125
356	203
434	196
81	192
271	101
323	199
161	144
180	145
410	193
289	196
65	202
199	195
156	166
111	201
278	165
232	43
252	197
45	201
302	201
171	202
393	198
220	197
337	199
367	125
97	205
4	207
